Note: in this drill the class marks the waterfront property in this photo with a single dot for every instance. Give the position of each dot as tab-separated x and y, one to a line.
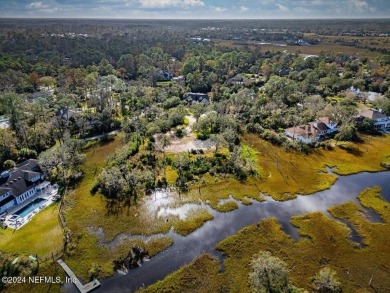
380	120
19	184
23	191
313	131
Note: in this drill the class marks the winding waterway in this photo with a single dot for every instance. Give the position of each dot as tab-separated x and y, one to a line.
204	239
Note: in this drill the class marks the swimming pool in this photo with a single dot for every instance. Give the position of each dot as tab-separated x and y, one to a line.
30	207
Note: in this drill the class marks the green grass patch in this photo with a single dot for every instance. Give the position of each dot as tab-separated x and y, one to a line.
164	83
156	245
201	275
213	189
371	198
42	235
195	219
227	206
246	201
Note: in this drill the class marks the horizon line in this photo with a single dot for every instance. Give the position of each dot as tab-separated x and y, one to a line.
199	19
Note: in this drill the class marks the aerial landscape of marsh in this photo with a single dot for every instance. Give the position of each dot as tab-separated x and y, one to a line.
194	146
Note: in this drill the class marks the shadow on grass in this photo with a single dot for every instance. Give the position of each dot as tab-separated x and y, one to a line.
352	150
113	207
117	206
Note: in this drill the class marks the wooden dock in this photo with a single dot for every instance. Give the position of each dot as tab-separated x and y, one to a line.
82	288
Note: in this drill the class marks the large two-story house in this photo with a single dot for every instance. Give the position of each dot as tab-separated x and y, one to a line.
197	98
312	131
381	121
19	184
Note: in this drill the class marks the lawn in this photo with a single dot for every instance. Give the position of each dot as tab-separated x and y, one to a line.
42	235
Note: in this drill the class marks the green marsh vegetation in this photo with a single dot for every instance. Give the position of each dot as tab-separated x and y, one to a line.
274	163
323	251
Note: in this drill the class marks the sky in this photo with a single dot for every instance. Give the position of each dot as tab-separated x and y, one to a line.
195	9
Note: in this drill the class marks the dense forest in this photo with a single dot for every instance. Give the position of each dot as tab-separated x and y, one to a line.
79	79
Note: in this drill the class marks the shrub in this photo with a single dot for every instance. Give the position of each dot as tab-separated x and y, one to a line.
26	153
268	274
9	164
326	281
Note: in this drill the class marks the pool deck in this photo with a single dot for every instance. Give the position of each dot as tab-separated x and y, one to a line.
47	195
82	288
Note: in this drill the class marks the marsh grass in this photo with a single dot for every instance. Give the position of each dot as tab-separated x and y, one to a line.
84	210
227	206
282	175
201	275
194	220
324	242
287	173
156	245
213	189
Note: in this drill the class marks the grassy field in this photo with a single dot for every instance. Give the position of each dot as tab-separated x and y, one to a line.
327	47
369	42
325	242
42	235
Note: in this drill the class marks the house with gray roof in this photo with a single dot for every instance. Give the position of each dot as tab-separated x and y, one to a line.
197	98
19	184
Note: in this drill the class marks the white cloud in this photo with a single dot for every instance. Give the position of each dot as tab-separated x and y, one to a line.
41	8
218	9
49	10
243	8
282	7
362	6
170	3
37	5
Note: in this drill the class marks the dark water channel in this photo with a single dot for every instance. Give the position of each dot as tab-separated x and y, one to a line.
185	249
